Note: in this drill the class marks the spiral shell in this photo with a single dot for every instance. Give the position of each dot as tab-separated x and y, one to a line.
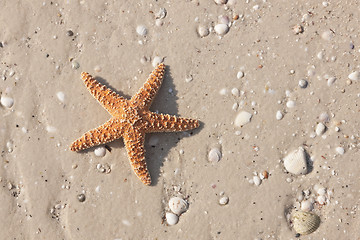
305	222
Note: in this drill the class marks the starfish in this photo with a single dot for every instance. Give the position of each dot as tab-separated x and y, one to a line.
131	120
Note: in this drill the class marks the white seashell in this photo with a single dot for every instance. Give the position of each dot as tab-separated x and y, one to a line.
306	206
257	180
303	83
331	81
295	162
355	76
235	92
320	129
178	205
171	218
240	74
340	150
279	115
324	117
60	96
223	19
214	155
305	222
224	201
321	199
141	30
161	13
157	60
290	104
7	101
221	29
242	118
203	31
219	2
100	151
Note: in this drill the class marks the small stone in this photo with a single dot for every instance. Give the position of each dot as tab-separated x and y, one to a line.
69	33
298	29
279	115
235	92
320	129
290	104
81	197
240	74
257	180
7	102
224	201
171	218
303	83
100	151
75	65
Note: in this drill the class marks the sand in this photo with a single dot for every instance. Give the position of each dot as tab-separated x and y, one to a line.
274	43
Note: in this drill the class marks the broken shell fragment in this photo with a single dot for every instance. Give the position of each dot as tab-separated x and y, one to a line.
178	205
242	118
295	162
305	222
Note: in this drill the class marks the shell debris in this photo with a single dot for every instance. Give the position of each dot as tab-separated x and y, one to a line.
242	118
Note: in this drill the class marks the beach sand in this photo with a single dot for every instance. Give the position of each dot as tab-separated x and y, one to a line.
254	67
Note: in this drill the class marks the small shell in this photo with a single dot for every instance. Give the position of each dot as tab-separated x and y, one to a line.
219	2
171	218
157	60
295	162
141	30
305	222
355	76
203	31
242	118
221	29
306	205
7	101
161	13
257	180
214	155
100	151
320	129
178	205
223	201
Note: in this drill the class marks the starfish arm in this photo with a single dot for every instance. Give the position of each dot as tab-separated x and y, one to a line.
105	96
105	133
156	122
147	92
134	143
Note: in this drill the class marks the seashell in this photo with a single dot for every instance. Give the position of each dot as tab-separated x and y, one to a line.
306	205
100	151
242	118
320	129
295	162
214	155
178	205
219	2
257	180
223	201
7	101
305	222
221	29
161	13
223	19
157	60
355	76
141	30
203	31
171	218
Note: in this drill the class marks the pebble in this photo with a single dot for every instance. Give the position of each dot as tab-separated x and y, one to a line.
157	60
7	102
224	201
279	115
355	76
60	96
320	129
298	29
141	30
340	150
81	197
75	65
235	92
221	29
242	118
303	83
203	31
69	33
100	151
331	81
214	155
257	180
290	104
51	129
171	218
240	74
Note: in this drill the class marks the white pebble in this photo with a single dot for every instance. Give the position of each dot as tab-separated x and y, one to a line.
203	31
303	83
157	60
257	180
60	96
235	92
290	104
279	115
340	150
7	101
100	151
214	155
355	76
331	81
320	129
221	29
240	74
171	218
141	30
242	118
224	200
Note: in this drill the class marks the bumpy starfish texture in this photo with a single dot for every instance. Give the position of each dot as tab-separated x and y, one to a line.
131	120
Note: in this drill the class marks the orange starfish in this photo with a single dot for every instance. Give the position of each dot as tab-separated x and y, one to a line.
131	119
